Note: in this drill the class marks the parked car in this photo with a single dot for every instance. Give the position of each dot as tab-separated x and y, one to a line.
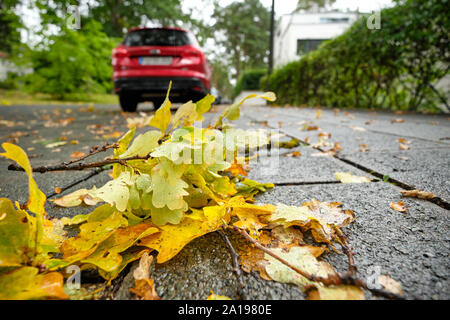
149	58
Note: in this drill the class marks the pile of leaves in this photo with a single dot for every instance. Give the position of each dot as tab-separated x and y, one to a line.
170	185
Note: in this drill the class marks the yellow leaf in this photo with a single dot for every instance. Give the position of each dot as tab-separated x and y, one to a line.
76	198
161	119
343	292
173	238
301	258
25	283
214	296
347	177
14	235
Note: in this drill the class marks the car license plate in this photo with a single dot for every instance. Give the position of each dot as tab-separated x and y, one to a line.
155	61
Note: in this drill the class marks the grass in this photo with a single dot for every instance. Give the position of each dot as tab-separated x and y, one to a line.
14	97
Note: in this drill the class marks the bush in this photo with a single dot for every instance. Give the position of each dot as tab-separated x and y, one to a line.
395	67
75	62
249	80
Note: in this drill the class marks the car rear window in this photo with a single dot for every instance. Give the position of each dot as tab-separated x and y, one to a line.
157	37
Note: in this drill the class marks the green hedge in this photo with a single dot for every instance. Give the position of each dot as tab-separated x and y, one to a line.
75	62
249	80
395	67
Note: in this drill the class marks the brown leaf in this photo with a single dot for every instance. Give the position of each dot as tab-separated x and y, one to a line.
399	120
399	206
144	287
417	194
403	146
293	154
77	154
390	284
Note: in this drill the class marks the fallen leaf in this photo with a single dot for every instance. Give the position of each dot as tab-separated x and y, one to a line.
293	154
403	146
347	177
399	120
77	154
214	296
76	198
55	144
318	113
342	292
399	206
144	286
417	194
390	284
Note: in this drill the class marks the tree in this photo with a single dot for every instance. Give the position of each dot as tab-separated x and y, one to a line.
117	15
311	4
243	29
10	24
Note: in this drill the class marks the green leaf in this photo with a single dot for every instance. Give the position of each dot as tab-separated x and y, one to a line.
168	186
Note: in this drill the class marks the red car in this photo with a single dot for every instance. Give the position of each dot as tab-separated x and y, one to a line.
149	58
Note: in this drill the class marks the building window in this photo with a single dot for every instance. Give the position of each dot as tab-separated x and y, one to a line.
307	45
334	20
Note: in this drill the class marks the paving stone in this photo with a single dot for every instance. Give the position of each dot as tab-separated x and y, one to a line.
424	169
411	247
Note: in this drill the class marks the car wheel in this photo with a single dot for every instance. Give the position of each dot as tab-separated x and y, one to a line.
127	103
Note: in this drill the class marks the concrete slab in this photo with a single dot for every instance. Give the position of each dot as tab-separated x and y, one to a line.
311	166
424	169
411	247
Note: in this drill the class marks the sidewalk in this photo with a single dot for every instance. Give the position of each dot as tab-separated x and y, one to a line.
410	247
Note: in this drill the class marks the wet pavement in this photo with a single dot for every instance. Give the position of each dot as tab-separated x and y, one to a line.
411	247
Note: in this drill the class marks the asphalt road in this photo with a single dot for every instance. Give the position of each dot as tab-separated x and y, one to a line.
411	247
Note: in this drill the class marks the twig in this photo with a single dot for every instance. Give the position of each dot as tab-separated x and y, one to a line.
348	250
236	268
94	150
79	166
333	280
82	179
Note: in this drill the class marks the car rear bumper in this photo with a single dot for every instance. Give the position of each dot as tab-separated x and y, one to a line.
148	87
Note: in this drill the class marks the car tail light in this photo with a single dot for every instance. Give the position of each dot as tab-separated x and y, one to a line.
120	53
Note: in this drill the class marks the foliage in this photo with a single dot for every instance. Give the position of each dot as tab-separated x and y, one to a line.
243	29
309	4
73	62
10	25
249	80
171	184
395	67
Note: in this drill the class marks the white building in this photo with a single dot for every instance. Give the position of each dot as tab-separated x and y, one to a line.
299	33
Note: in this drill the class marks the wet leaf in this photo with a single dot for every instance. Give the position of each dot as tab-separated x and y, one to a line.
143	285
214	296
417	194
390	284
14	235
301	258
399	206
347	177
343	292
76	198
25	283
